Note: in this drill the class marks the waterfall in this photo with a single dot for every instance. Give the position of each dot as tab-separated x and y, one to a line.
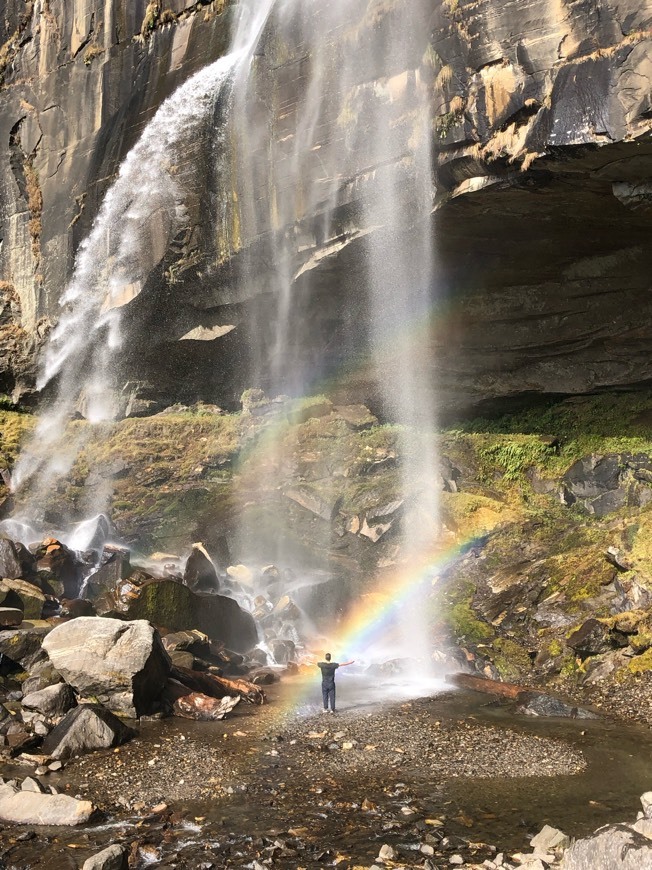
336	157
114	261
344	158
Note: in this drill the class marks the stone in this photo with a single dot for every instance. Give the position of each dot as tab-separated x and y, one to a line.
602	484
646	801
356	417
200	574
52	701
549	839
615	847
10	562
23	595
34	808
177	608
24	645
590	639
10	617
114	567
58	563
386	853
201	707
41	675
540	704
76	607
112	858
124	661
84	729
31	784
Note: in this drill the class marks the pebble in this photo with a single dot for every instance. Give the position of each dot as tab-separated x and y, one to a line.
386	853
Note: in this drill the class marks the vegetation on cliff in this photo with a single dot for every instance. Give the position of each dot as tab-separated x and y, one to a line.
546	514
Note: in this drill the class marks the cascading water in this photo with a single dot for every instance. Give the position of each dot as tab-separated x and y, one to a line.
339	157
115	260
343	158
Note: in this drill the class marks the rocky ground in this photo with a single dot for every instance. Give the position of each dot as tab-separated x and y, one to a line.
322	786
549	586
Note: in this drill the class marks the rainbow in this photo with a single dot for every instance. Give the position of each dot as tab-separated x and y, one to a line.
376	613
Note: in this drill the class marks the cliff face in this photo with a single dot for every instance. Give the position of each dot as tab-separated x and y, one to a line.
542	173
78	82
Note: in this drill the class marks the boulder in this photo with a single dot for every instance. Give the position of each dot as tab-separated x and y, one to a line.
23	645
200	574
122	661
549	839
52	701
175	607
540	704
114	567
10	562
590	639
112	858
76	607
34	808
25	596
31	784
57	564
603	484
191	641
84	729
646	803
616	847
41	675
356	417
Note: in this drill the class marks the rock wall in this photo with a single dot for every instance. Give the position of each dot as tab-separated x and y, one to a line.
542	112
78	81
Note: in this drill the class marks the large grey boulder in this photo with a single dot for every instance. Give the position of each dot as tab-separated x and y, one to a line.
85	729
122	663
34	808
616	847
52	701
112	858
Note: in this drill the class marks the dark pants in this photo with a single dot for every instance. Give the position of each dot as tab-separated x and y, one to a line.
328	692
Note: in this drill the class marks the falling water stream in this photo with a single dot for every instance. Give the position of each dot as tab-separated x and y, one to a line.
346	161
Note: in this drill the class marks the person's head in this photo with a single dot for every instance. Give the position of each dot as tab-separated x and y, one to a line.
327	657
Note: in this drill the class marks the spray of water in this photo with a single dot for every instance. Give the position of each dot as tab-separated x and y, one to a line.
346	159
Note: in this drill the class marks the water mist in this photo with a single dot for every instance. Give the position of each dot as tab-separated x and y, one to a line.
343	158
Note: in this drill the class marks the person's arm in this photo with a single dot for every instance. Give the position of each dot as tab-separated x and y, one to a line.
344	664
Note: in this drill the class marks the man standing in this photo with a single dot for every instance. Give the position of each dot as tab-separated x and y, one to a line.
328	669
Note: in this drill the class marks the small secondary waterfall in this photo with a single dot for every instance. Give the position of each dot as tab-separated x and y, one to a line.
114	261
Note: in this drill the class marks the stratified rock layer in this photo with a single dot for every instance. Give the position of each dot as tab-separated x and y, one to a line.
541	122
